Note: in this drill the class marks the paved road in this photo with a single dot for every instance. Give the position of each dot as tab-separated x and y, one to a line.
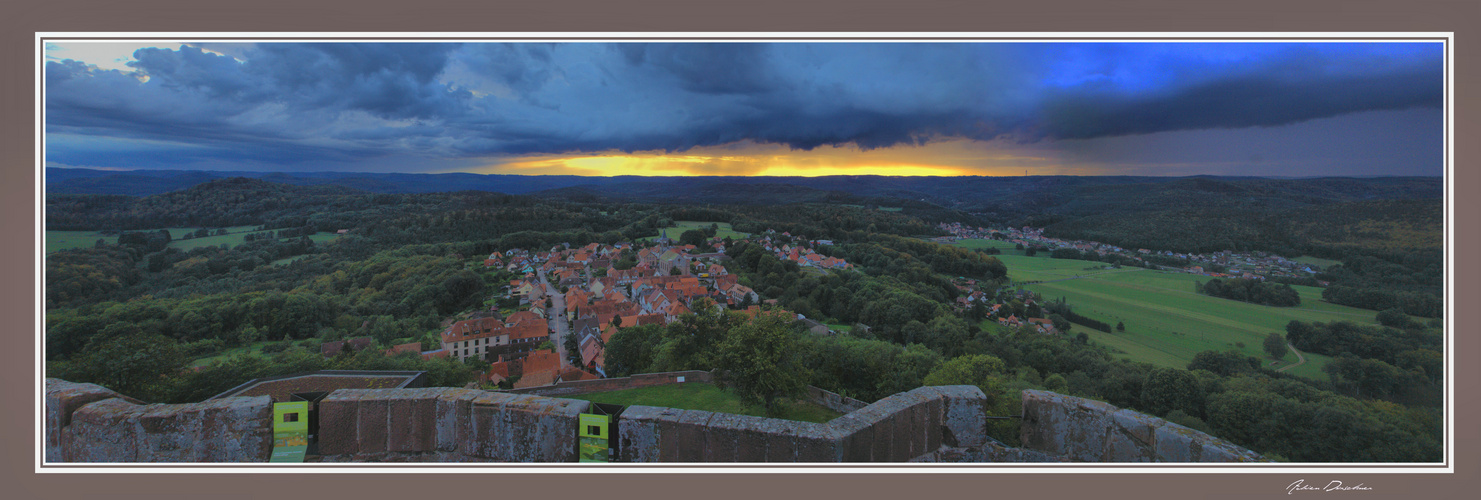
557	315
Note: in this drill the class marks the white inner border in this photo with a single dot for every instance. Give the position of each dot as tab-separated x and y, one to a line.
748	37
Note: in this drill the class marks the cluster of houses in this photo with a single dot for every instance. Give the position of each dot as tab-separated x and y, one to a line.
666	282
1251	265
803	255
972	296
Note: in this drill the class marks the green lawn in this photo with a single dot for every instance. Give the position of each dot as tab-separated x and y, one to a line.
707	397
891	209
1166	322
684	225
252	350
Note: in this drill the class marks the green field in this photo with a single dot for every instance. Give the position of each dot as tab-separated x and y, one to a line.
679	227
1042	268
251	350
1312	369
707	397
67	240
973	244
236	236
1166	322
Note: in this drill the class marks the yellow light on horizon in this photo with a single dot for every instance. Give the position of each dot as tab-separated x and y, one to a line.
946	158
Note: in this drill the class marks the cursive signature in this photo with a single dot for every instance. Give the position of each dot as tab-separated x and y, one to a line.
1300	485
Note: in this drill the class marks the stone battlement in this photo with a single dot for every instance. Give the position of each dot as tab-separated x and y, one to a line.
88	423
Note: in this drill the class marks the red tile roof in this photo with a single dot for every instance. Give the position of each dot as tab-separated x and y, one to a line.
415	347
536	379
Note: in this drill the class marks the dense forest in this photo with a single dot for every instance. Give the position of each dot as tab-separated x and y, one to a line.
1250	290
134	315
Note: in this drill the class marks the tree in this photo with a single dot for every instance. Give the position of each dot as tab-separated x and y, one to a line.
759	361
1275	345
980	370
1120	327
573	349
134	363
692	237
1393	317
1224	363
1060	324
631	350
1168	389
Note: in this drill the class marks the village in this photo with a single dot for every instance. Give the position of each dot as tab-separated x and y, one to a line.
569	301
1224	264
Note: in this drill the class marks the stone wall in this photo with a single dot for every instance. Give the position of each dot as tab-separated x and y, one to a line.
834	401
1083	430
894	429
613	384
88	423
443	424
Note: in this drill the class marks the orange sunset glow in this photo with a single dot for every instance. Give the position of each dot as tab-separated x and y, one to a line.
944	158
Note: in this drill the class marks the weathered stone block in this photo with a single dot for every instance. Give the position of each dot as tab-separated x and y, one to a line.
101	432
413	425
855	438
781	440
1121	447
752	438
1173	445
1138	425
638	434
964	414
339	420
227	430
1092	431
62	399
692	432
372	423
816	443
557	431
233	429
666	424
721	434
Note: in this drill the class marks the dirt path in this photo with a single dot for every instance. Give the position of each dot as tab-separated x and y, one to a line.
1299	359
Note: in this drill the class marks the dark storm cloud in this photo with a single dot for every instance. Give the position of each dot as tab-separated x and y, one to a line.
1236	100
279	101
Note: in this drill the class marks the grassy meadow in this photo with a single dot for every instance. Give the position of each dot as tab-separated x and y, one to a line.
1166	322
684	225
1007	247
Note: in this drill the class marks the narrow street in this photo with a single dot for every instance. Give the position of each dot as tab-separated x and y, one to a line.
557	314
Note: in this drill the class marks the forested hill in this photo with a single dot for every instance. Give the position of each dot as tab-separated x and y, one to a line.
239	201
1328	217
1009	195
